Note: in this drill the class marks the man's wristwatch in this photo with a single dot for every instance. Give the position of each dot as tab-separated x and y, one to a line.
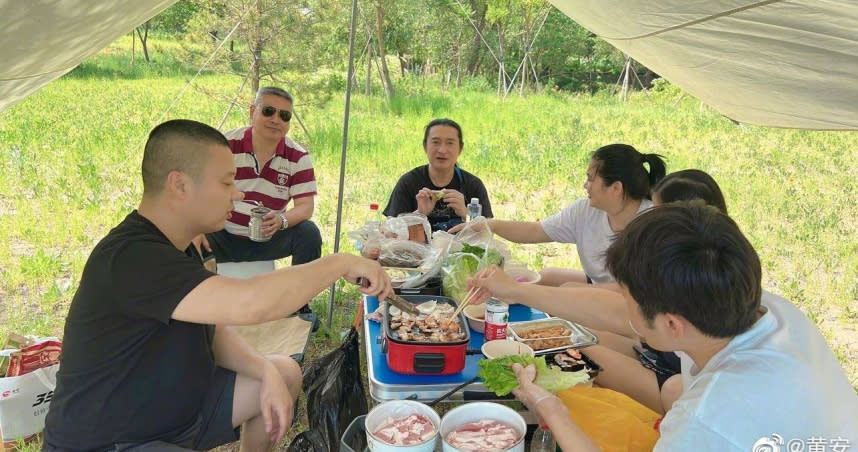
284	220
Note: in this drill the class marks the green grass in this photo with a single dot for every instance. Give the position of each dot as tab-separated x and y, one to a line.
70	157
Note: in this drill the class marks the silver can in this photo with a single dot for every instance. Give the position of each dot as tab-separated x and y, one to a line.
255	224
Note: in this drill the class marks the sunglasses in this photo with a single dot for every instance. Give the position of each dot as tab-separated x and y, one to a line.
268	111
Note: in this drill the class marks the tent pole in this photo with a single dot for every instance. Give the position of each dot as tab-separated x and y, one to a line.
343	153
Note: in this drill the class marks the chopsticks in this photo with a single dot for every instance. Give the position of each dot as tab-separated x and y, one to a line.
453	391
467	299
470	295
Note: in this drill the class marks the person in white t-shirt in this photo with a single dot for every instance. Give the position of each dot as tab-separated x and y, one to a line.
651	379
755	370
618	189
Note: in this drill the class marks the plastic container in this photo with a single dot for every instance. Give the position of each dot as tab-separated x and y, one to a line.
475	411
397	409
542	441
354	438
585	363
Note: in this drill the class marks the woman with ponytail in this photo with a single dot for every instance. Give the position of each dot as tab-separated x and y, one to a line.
618	185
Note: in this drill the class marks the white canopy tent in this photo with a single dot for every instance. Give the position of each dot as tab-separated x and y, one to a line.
42	40
781	63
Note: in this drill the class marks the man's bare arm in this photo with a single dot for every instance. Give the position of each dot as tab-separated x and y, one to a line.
220	300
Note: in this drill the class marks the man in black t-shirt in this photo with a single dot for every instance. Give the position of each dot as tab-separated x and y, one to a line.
143	364
439	190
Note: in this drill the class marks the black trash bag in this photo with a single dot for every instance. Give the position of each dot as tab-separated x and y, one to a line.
309	441
335	396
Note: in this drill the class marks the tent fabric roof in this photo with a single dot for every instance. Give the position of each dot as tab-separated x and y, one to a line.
782	63
773	62
41	40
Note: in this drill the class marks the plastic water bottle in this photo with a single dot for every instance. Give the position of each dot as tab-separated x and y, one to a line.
542	441
474	209
371	246
374	220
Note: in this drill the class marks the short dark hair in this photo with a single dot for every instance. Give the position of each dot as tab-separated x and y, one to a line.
443	122
687	258
623	163
272	90
689	184
176	145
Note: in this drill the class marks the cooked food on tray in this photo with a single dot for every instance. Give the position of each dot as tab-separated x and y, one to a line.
485	435
405	431
399	275
547	337
434	324
572	361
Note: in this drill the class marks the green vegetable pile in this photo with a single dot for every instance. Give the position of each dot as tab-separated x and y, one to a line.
461	266
490	257
498	377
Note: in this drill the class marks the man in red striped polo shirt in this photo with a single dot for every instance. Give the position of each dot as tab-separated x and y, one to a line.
271	169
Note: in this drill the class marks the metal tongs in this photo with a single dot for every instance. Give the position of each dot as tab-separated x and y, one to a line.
402	303
394	299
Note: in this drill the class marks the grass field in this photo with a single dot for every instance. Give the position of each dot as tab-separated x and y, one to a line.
70	162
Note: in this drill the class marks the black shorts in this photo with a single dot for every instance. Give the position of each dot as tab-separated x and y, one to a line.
214	423
664	364
212	428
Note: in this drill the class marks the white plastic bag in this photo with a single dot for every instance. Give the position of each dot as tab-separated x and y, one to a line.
402	253
24	402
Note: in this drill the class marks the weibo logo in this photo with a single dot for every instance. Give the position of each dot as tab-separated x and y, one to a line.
769	444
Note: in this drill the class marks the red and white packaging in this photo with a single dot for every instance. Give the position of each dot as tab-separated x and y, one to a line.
26	392
36	356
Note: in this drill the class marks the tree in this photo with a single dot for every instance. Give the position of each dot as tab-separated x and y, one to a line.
172	20
291	44
144	37
386	82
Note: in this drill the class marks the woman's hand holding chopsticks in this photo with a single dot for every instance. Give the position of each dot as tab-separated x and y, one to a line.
491	282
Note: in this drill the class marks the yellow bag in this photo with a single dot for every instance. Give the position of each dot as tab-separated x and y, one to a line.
612	420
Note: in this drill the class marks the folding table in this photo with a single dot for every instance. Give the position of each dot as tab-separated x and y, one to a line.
384	384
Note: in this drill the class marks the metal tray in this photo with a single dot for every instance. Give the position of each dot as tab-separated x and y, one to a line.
578	338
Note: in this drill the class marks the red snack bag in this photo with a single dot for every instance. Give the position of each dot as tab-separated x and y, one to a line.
36	356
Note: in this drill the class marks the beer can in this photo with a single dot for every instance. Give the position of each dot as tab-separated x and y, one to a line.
255	224
497	317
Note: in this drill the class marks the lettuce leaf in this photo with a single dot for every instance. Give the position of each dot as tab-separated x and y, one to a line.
492	257
498	377
459	268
